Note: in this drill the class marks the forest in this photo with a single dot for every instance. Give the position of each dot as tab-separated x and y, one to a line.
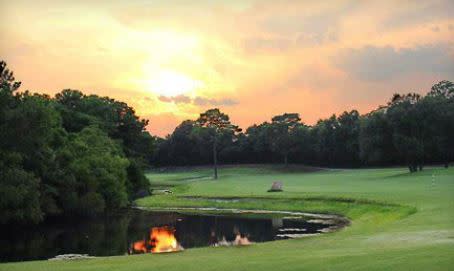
411	130
79	154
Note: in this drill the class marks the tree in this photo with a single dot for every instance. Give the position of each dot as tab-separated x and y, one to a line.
7	86
437	117
259	143
116	118
282	133
28	125
183	145
325	140
99	167
19	191
217	124
376	139
443	88
119	121
347	138
72	154
7	80
405	115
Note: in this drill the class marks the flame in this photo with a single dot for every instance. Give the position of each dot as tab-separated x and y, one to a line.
164	240
140	246
161	239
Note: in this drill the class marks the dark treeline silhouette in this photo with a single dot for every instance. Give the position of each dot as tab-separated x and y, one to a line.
69	155
411	130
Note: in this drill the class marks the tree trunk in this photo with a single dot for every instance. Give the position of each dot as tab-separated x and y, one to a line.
286	160
215	158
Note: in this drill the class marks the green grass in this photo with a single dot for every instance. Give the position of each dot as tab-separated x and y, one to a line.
400	221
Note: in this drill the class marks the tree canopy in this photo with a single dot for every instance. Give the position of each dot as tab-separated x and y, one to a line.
218	125
69	155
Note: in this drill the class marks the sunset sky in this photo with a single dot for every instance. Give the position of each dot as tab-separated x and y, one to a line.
171	60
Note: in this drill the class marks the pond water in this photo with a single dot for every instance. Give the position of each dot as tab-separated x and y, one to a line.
118	233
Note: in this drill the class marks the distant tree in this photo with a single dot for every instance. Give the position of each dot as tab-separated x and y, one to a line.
182	145
7	81
347	138
411	129
217	123
7	86
376	139
236	151
409	98
303	151
324	134
443	88
282	131
257	140
201	152
70	98
437	117
185	146
408	131
69	104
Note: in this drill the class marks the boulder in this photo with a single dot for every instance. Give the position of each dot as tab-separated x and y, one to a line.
276	187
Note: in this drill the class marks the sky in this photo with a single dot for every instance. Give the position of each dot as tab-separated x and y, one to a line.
172	60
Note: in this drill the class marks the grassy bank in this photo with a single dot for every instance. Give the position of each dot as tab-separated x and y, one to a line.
400	221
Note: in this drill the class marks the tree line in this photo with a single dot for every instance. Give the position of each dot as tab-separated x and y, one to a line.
77	154
72	154
410	130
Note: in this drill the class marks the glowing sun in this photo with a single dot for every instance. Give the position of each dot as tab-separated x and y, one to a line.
170	83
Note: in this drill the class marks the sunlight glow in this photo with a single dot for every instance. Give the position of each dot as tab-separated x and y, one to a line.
170	83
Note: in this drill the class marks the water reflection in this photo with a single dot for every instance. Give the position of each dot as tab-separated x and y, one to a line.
116	234
160	240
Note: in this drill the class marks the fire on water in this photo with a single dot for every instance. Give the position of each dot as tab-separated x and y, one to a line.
161	239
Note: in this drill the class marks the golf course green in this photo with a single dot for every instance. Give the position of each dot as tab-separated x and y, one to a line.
399	220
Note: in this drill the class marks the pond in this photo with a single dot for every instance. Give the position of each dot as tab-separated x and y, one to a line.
130	231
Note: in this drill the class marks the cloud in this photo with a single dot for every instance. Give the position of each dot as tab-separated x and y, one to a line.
435	28
420	13
199	101
221	102
314	39
306	24
175	99
267	44
373	63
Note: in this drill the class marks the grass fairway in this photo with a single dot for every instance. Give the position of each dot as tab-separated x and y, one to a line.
400	221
